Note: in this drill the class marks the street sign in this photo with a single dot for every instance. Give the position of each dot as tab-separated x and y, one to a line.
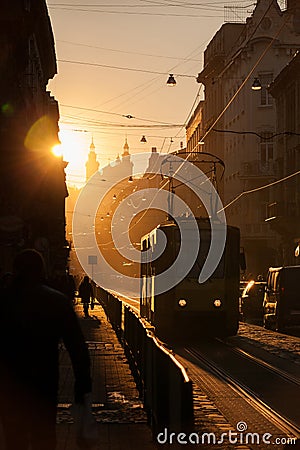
92	259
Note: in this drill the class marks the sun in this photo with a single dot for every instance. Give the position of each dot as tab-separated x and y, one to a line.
57	150
74	150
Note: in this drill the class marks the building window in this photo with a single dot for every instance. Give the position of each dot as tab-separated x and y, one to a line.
265	80
266	147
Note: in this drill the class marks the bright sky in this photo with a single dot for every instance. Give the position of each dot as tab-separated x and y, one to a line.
153	37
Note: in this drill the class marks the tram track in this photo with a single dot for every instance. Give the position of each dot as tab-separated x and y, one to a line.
225	374
283	374
280	421
231	380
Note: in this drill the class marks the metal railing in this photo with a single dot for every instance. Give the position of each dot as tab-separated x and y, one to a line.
112	307
162	381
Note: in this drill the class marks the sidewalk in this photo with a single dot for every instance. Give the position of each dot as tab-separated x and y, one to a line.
119	413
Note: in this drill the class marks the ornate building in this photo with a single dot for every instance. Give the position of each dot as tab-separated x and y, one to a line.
238	124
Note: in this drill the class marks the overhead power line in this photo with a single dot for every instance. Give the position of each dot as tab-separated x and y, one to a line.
127	116
135	13
156	123
265	138
259	189
85	63
130	53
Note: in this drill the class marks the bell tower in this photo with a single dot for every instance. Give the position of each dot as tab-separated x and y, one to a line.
92	165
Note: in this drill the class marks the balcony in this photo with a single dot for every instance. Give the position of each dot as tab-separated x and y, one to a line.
257	169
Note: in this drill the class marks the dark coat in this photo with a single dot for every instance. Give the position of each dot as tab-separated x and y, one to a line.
33	321
85	291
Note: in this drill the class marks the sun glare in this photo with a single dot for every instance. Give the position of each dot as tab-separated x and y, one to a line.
74	148
57	150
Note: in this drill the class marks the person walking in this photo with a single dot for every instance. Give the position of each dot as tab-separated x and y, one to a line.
34	318
86	295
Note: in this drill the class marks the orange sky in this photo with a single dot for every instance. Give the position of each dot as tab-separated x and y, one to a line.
165	36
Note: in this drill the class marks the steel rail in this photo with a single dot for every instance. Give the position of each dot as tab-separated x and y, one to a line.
286	376
285	424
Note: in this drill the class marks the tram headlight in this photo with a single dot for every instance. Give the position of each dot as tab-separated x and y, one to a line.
182	302
217	303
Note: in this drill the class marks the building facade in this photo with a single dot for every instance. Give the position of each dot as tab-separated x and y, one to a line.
32	179
239	124
284	207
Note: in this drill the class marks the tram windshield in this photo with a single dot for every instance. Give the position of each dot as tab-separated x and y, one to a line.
201	258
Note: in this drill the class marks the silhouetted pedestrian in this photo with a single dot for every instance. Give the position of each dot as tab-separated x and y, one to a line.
33	321
86	294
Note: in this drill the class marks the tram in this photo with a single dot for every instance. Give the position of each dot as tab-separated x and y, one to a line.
189	309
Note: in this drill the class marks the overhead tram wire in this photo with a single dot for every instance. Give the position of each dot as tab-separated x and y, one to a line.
99	130
156	78
191	110
265	51
265	138
145	86
142	86
142	13
99	123
207	6
127	116
232	99
224	110
222	209
127	52
170	70
107	66
250	191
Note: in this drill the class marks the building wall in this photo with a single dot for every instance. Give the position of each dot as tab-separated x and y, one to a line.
284	207
239	122
32	179
194	129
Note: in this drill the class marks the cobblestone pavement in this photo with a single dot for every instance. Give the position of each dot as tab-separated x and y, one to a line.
268	345
121	420
119	413
278	344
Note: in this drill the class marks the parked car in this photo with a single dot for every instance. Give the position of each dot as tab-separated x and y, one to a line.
281	306
243	284
252	302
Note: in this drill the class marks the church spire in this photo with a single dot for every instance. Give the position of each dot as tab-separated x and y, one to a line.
92	146
92	165
126	148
